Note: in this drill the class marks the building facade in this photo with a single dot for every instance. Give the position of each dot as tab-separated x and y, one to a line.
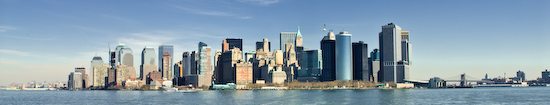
361	71
162	49
148	62
390	51
343	57
328	53
166	66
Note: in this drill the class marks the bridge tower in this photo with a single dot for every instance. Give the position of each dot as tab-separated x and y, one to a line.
463	80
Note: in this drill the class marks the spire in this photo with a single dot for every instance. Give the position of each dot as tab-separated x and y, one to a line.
298	34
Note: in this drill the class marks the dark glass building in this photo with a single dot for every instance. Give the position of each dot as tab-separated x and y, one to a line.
360	57
328	56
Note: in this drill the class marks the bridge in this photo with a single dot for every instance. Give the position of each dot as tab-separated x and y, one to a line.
464	80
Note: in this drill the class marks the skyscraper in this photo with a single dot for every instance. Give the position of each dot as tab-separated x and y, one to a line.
96	61
147	61
84	76
403	66
124	55
231	43
360	62
205	65
162	50
179	79
75	81
546	76
329	57
166	66
521	76
186	64
99	73
299	48
394	66
227	73
374	66
288	37
312	63
343	57
265	45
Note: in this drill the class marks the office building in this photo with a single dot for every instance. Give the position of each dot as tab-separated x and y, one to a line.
329	57
124	55
153	76
166	66
291	66
179	79
374	66
84	76
249	56
312	64
148	62
521	76
243	74
393	67
162	49
99	73
264	45
404	66
96	61
231	43
546	76
75	81
205	65
361	61
343	57
290	37
123	73
228	60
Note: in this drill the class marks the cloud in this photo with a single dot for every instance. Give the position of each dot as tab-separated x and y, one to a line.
14	52
6	28
212	13
26	38
259	2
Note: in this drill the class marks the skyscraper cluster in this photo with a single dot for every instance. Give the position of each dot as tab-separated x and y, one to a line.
337	59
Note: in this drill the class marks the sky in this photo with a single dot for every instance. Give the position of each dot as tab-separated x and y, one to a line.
44	40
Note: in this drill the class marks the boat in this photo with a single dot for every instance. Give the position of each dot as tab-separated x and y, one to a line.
171	89
187	91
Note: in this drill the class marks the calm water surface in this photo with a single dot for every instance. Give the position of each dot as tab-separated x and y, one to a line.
502	95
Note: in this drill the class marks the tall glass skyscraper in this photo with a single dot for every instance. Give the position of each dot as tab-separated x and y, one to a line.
162	50
290	37
329	57
147	61
148	56
343	57
204	59
123	55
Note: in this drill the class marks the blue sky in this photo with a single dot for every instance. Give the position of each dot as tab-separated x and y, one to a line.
44	40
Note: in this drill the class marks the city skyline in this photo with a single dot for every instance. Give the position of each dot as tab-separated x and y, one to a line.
449	38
